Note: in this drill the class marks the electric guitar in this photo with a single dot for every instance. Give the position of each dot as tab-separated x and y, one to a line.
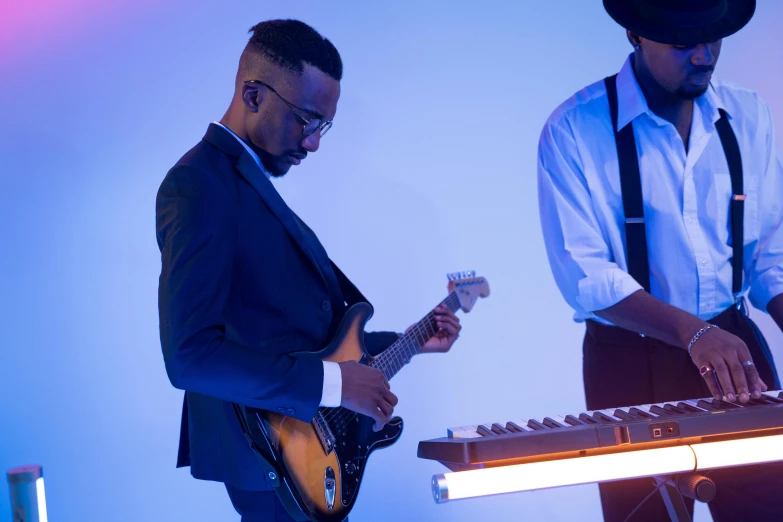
317	467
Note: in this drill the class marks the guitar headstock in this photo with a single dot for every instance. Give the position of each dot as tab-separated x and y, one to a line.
468	288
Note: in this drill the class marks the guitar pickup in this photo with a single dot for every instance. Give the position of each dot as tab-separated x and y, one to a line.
324	433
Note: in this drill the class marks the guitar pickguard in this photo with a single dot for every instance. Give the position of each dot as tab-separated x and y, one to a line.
354	441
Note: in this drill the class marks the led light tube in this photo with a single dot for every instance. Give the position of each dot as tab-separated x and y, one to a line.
605	468
739	452
41	495
565	472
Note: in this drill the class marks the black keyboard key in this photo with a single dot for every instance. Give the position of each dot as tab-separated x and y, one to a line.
484	431
640	414
624	415
552	423
587	419
689	407
660	411
603	417
707	404
500	430
513	427
573	421
738	404
724	405
534	424
671	408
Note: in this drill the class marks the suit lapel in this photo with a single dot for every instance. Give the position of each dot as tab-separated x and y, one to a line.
250	170
253	175
318	251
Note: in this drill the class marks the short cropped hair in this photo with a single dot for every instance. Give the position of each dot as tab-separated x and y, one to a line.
291	43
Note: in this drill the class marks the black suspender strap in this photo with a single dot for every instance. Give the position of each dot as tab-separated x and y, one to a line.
631	186
734	159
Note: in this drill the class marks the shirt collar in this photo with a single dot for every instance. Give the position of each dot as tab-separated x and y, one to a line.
631	102
711	104
248	149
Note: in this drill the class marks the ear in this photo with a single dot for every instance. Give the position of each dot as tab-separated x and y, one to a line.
252	96
634	39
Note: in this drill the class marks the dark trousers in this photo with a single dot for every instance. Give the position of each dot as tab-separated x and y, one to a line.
621	368
258	506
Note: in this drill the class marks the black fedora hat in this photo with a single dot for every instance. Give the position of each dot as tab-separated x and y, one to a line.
681	22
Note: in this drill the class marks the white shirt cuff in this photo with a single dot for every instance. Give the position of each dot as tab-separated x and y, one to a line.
332	394
766	287
605	288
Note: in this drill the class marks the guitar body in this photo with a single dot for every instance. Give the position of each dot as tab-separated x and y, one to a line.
327	483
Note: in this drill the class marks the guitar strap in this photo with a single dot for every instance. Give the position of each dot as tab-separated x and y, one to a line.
266	457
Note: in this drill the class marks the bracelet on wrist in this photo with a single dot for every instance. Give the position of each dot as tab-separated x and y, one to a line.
699	334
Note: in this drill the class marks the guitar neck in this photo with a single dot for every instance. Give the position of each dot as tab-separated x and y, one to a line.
391	360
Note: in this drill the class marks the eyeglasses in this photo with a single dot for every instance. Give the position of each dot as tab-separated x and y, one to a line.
309	126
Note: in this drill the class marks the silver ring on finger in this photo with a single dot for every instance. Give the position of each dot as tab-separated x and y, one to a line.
705	369
748	364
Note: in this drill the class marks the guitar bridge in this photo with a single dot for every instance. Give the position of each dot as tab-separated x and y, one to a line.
325	435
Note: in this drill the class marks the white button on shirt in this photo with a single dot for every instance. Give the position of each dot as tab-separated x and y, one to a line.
332	391
686	201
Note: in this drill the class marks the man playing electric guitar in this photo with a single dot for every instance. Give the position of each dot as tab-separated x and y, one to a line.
245	285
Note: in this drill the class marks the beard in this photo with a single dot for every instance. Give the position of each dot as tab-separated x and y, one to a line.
691	92
275	166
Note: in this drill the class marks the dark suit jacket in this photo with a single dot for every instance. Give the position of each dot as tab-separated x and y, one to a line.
243	285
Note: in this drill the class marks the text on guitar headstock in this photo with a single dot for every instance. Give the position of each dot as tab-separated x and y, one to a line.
468	288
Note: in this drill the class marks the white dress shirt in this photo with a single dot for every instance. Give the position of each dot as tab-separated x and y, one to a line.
332	392
686	201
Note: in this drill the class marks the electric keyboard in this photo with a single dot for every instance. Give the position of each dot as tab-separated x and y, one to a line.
600	432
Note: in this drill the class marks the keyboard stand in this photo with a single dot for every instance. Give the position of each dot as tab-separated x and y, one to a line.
675	505
693	485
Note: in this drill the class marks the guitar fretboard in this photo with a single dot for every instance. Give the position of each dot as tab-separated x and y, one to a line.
391	360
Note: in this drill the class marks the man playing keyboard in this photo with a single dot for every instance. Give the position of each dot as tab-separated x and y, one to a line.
660	200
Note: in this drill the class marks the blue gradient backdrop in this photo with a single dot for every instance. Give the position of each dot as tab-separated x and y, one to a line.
430	168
